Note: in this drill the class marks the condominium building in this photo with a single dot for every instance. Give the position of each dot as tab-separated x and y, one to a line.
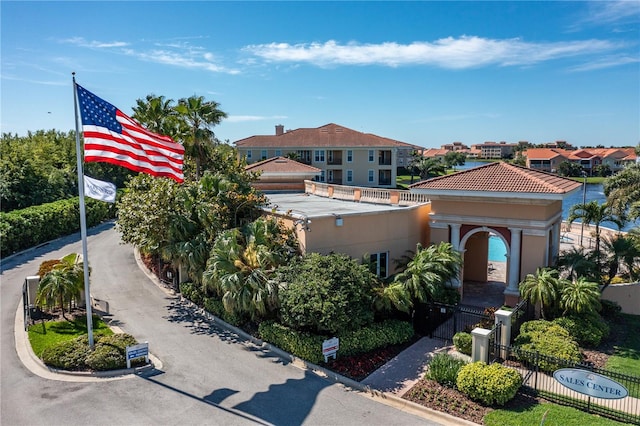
344	156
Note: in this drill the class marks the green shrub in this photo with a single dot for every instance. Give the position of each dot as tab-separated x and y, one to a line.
462	341
443	368
28	227
192	292
587	329
110	352
550	341
309	346
326	294
216	307
68	355
609	309
490	384
303	345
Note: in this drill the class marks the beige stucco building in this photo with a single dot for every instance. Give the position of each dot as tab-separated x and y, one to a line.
520	206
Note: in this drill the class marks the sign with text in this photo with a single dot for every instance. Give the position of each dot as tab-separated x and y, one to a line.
330	347
588	383
137	351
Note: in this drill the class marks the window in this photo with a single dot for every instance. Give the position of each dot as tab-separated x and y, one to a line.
278	153
349	156
263	154
378	262
322	178
384	177
371	155
349	176
371	176
330	176
319	156
249	155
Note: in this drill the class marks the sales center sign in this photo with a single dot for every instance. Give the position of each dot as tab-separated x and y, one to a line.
589	383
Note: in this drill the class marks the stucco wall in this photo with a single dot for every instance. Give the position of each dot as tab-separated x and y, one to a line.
510	209
395	232
533	254
626	295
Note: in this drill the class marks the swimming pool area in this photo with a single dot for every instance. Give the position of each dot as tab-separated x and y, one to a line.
497	249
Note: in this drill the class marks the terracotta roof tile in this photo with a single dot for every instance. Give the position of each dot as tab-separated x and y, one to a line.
329	135
501	177
545	153
281	165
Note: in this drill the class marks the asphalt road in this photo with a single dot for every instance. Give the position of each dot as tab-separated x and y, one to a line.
208	375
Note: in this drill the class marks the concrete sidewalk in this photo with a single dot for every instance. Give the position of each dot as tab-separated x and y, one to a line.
402	372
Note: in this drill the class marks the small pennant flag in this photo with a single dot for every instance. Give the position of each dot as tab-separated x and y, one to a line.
103	191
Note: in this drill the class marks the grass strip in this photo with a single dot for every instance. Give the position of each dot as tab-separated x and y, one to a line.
50	333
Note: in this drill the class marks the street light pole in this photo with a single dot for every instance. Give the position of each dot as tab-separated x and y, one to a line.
584	200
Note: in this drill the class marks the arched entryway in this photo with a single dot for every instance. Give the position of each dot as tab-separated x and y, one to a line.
484	275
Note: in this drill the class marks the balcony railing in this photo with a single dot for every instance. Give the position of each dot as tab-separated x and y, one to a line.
364	194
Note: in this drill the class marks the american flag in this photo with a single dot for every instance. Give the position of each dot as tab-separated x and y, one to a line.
110	136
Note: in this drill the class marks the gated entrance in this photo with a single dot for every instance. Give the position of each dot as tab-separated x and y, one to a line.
441	321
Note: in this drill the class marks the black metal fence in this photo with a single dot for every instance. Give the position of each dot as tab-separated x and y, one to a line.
523	312
441	321
537	373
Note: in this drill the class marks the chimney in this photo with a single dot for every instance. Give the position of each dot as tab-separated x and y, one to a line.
279	129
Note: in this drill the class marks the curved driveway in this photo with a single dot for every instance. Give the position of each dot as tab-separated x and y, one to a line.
208	376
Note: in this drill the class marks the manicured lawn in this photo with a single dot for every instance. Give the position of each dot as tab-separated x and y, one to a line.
555	415
593	179
626	358
49	333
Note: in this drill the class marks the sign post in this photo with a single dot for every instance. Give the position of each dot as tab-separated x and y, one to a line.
138	351
330	347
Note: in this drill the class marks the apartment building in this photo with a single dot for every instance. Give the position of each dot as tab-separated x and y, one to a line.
494	150
344	156
548	159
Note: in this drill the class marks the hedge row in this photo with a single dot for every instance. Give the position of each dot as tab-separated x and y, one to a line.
21	229
492	384
309	346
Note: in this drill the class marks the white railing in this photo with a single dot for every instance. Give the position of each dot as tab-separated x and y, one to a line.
365	194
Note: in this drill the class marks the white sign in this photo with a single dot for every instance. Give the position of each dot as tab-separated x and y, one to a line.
137	351
330	347
588	383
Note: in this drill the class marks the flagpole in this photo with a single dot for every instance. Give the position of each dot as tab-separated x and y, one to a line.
83	218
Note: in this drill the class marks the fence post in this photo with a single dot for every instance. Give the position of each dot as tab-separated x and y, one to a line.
480	344
504	318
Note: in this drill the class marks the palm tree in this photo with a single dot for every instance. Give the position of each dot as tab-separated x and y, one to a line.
594	213
243	262
200	116
428	167
157	114
543	287
577	262
621	251
430	271
64	283
580	297
623	191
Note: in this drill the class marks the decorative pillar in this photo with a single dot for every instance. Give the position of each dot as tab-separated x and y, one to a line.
480	344
555	243
455	243
512	294
503	318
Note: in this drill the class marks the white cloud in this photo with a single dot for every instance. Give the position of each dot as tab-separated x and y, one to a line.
42	82
179	54
80	41
245	118
608	12
450	53
606	62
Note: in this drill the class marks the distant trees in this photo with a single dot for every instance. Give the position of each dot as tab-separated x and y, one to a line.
623	191
429	167
570	169
454	158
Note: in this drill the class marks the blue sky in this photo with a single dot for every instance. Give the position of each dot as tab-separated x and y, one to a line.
426	73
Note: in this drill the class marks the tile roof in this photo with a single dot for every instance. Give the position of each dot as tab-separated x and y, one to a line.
545	153
282	165
434	152
329	135
501	177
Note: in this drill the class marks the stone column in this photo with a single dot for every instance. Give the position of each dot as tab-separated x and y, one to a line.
512	294
455	242
480	344
503	318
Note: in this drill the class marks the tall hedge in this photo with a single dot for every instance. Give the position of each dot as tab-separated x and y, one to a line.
21	229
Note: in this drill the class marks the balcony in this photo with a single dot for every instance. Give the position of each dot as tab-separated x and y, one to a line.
364	194
384	158
334	158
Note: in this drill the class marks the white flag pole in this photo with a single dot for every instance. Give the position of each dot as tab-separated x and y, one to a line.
83	219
